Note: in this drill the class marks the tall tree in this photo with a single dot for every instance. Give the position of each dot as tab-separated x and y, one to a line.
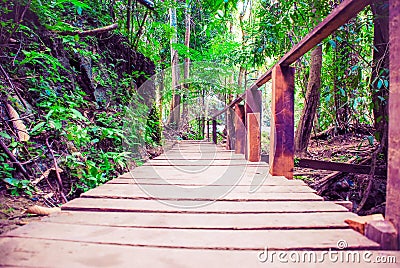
184	118
303	131
380	70
174	116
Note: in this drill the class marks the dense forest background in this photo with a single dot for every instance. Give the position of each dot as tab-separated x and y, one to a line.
71	73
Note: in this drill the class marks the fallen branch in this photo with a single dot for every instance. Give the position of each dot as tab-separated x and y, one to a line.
323	134
45	175
12	86
14	160
60	185
323	183
338	166
91	32
370	179
304	173
5	214
18	22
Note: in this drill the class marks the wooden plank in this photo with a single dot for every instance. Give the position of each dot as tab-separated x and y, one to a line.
269	182
282	127
322	220
226	174
240	129
213	150
202	162
136	188
253	137
196	239
234	175
199	156
393	180
342	167
19	252
219	207
207	193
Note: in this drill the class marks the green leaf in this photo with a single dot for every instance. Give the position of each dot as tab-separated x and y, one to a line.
75	3
380	83
78	114
57	125
328	97
386	82
371	140
11	181
381	98
5	135
332	43
49	114
38	126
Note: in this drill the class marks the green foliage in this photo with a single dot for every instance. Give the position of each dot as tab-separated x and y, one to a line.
153	127
89	134
17	187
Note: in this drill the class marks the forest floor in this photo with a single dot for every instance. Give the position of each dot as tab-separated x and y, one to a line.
350	148
338	186
12	210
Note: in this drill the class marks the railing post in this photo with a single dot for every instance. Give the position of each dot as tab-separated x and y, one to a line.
253	137
199	125
253	105
203	126
393	179
281	155
208	129
240	129
230	127
214	132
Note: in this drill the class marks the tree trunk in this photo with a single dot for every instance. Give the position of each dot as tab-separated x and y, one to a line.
242	72
184	119
174	116
380	71
312	97
342	109
128	15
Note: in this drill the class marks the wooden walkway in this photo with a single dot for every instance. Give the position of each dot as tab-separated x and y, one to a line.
164	214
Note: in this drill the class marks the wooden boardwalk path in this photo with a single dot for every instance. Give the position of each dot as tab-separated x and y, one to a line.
164	214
